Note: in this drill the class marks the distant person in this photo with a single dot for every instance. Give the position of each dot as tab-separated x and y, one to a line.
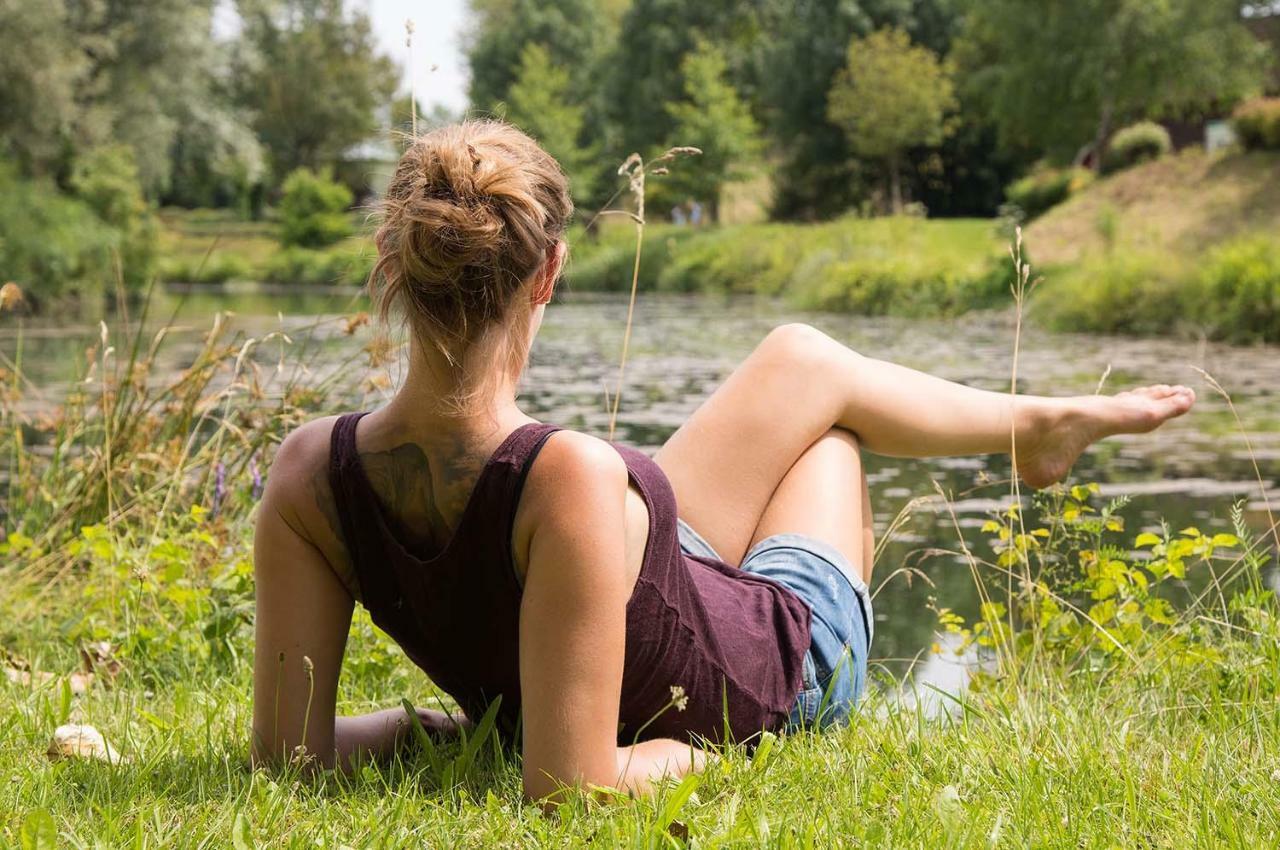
719	588
677	216
695	213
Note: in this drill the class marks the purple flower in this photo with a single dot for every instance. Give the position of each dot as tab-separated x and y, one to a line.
219	486
256	493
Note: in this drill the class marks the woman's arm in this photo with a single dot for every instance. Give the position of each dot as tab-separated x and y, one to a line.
302	619
573	631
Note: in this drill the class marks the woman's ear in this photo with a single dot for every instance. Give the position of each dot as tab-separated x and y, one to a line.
545	286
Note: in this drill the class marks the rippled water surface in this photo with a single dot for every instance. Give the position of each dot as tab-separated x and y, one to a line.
1190	472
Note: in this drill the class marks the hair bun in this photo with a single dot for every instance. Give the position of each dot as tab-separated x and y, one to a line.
466	221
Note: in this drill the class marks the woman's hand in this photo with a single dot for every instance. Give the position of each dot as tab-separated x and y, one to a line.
382	733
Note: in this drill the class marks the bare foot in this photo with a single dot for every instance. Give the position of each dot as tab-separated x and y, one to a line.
1050	439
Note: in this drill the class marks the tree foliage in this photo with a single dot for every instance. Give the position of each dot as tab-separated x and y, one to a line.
541	102
715	119
1059	75
890	96
313	79
571	32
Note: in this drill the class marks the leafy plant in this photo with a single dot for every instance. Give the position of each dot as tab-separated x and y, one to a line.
1136	143
313	209
1257	123
1046	187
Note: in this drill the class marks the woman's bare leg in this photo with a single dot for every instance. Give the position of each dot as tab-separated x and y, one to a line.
824	496
728	459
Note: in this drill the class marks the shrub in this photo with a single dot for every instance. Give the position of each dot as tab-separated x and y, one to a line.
1136	143
216	269
1240	282
107	180
1045	188
1119	293
51	244
334	267
313	209
1257	123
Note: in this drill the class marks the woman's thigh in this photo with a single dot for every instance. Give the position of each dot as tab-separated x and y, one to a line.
726	462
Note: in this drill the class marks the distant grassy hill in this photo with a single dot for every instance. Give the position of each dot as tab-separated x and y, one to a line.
1187	246
1186	204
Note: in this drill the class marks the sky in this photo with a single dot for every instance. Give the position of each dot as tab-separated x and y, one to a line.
438	26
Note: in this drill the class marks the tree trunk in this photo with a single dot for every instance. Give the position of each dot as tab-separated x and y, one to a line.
1103	136
895	186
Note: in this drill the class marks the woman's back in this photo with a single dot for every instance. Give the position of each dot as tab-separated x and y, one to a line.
725	637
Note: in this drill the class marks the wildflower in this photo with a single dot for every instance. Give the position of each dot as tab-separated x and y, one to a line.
355	322
10	296
256	474
219	486
678	698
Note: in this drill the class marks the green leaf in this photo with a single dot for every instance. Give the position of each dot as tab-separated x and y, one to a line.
1146	538
1190	531
678	798
241	833
1159	611
1225	541
424	740
39	832
472	743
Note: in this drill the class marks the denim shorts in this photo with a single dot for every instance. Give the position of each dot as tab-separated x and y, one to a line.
835	667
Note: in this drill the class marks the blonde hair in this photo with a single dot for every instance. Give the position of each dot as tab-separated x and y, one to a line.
468	217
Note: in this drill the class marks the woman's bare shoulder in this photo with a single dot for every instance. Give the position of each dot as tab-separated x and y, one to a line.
298	489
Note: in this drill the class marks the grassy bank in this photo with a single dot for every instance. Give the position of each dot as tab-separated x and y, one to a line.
1185	245
1130	697
902	266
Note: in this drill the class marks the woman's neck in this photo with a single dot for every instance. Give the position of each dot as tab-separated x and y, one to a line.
434	402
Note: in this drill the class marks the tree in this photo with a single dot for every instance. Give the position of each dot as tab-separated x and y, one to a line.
715	119
1059	75
890	97
80	75
645	71
818	176
541	103
42	68
570	31
313	79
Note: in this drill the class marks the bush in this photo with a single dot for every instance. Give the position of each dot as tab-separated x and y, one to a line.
51	244
216	269
1257	123
313	209
334	267
1240	282
107	180
1136	143
1045	188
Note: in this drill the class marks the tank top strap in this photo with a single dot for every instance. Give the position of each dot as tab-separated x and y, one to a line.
354	504
509	467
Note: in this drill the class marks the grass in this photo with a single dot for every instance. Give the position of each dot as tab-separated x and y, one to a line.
1179	205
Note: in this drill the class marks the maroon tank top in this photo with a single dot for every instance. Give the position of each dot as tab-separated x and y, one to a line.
734	641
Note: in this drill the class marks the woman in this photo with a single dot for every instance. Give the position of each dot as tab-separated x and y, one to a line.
553	570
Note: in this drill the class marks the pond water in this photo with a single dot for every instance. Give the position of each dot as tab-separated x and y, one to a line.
1190	472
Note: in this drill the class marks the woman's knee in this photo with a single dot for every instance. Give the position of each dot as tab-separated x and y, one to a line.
797	344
